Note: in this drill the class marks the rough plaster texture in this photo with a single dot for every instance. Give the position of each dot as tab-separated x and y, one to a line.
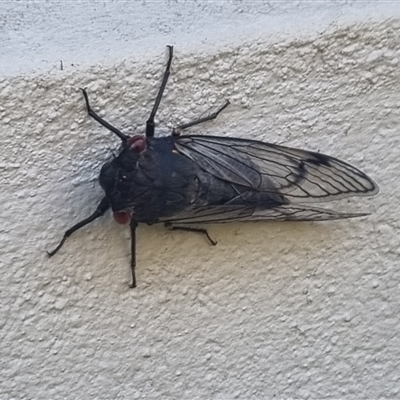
301	310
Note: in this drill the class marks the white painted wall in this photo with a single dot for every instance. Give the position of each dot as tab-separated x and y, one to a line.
300	310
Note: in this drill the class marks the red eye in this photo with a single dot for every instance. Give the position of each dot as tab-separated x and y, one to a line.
122	217
137	143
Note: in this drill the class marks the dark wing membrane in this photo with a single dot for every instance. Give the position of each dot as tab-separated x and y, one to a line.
229	213
300	175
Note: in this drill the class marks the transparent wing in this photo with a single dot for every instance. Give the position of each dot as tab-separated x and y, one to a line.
301	176
229	213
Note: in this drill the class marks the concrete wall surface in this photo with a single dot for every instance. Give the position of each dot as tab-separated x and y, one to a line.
276	310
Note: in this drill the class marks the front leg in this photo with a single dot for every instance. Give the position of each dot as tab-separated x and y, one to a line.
100	211
133	226
101	121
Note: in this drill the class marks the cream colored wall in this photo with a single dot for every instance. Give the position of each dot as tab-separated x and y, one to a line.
301	310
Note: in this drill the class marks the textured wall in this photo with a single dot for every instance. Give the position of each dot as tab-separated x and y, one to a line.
305	310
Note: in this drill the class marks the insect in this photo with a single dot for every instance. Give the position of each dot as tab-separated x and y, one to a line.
186	180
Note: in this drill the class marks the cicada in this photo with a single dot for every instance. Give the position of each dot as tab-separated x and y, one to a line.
185	181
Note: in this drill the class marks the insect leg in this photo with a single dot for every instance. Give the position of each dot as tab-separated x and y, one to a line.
133	226
150	122
189	229
101	209
178	130
100	120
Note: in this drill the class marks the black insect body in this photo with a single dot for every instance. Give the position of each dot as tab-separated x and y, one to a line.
189	180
